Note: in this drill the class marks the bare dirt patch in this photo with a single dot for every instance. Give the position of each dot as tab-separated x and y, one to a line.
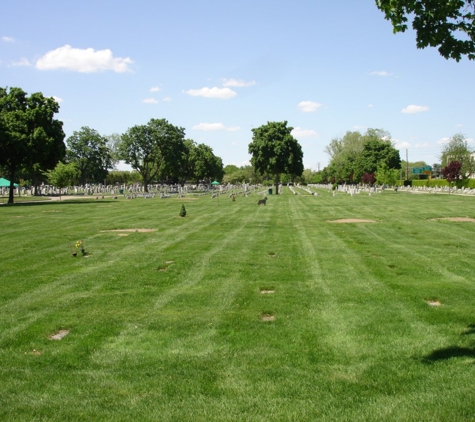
433	302
59	335
130	230
267	291
456	219
267	317
351	220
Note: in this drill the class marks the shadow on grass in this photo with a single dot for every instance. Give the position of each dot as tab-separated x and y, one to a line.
448	353
470	330
452	351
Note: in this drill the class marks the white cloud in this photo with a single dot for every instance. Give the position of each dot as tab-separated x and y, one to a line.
215	126
299	133
57	99
215	92
167	99
20	63
370	105
155	89
381	73
209	126
238	82
413	109
308	106
149	101
470	141
423	145
83	60
401	144
8	39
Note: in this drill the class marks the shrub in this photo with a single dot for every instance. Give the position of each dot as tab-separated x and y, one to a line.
183	211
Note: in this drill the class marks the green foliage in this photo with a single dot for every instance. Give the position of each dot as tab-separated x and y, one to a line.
275	151
243	174
154	149
448	25
203	165
355	155
117	177
458	149
31	139
113	143
386	176
89	151
376	153
63	175
183	211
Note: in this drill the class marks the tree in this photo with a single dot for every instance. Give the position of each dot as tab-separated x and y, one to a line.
451	171
30	137
450	25
152	148
89	151
62	175
344	153
355	155
113	143
376	152
199	163
386	176
275	151
457	149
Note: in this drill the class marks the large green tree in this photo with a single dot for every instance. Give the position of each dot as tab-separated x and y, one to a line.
199	163
275	151
153	149
356	155
376	153
446	24
458	149
89	151
343	154
30	137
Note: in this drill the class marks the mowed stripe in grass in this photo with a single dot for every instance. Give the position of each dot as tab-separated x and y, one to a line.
167	324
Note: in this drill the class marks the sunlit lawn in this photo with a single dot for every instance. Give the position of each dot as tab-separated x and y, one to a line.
238	312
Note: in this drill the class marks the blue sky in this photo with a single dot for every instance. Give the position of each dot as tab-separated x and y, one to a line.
220	68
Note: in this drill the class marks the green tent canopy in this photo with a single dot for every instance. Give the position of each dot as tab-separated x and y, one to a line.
215	183
4	183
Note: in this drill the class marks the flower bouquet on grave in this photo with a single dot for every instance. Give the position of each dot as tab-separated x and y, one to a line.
80	246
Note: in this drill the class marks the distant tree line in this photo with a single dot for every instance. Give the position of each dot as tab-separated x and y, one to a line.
33	149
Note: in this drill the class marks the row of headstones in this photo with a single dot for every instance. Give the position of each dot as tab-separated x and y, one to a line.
442	189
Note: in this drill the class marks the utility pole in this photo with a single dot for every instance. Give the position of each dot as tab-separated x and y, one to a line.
407	166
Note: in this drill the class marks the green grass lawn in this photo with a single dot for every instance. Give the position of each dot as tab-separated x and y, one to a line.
167	325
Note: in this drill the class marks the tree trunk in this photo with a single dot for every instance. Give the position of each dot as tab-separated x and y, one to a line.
36	183
277	181
12	186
